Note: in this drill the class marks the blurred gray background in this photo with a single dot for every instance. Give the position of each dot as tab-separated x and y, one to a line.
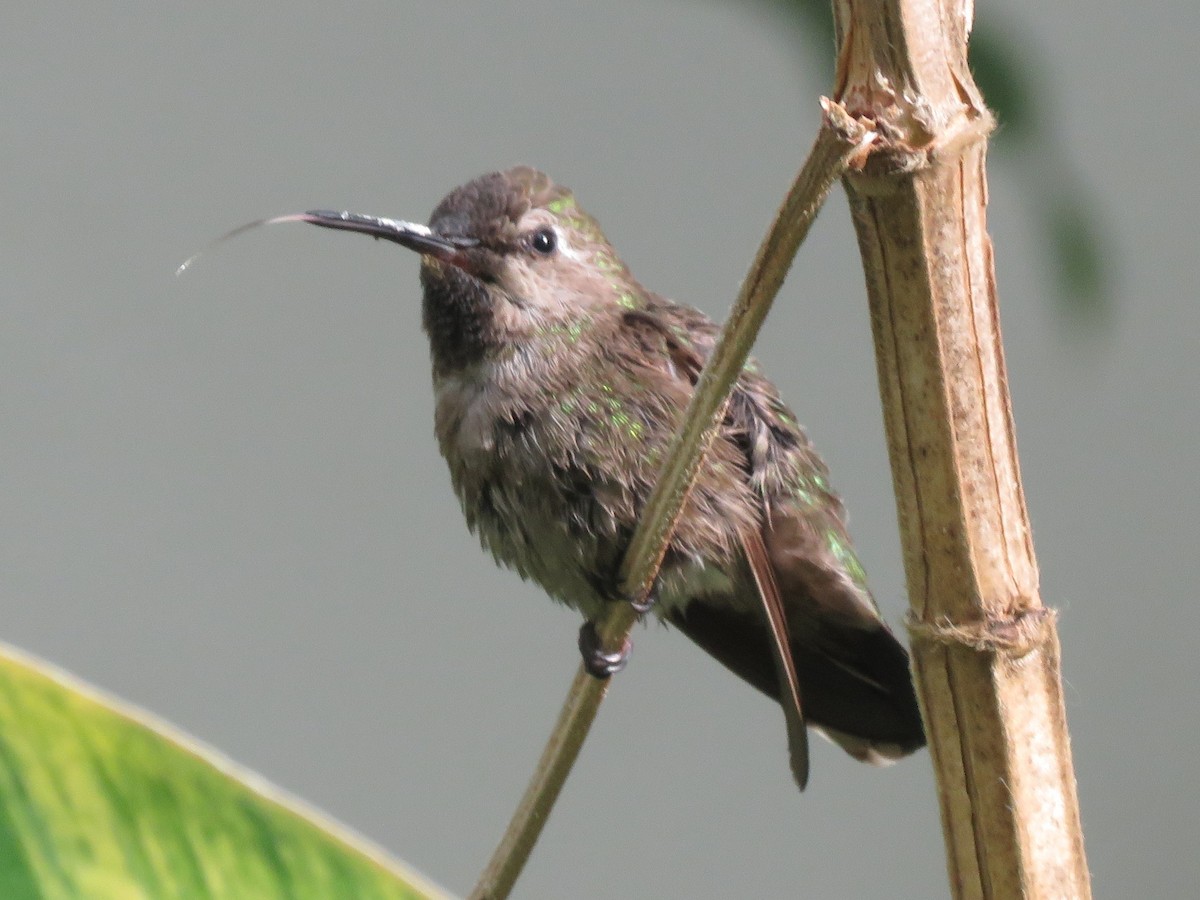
222	499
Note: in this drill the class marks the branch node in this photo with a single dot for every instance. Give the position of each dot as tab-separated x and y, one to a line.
1013	636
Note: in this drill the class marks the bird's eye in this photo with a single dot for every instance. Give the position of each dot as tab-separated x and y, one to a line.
544	240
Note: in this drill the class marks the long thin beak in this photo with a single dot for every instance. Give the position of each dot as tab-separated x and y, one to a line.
406	234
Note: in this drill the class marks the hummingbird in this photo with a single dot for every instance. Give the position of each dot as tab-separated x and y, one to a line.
559	381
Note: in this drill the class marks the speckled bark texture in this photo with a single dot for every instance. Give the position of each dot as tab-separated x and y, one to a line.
985	650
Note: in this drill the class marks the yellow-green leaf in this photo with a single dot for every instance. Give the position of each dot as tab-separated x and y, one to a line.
100	801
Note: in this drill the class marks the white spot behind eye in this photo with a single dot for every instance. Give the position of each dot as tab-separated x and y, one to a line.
565	248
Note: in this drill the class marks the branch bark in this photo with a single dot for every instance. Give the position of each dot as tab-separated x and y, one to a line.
985	649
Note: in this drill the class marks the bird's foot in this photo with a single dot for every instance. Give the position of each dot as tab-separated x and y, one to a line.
596	660
610	588
647	603
615	591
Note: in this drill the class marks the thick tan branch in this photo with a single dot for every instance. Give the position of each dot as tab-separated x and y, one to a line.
985	651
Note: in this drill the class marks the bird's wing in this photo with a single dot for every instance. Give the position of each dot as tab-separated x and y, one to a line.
819	613
686	361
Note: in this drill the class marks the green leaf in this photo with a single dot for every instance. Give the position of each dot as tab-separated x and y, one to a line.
1074	240
1008	73
100	801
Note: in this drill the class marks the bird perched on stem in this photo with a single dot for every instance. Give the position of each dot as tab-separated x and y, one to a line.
559	381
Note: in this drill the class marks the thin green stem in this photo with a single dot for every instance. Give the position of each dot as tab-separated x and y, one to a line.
839	141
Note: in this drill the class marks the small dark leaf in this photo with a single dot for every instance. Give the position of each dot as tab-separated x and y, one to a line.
1079	254
1006	74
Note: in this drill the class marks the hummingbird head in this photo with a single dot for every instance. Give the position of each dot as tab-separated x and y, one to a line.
504	257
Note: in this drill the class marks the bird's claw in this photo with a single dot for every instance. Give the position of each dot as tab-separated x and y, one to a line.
647	603
596	660
641	607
